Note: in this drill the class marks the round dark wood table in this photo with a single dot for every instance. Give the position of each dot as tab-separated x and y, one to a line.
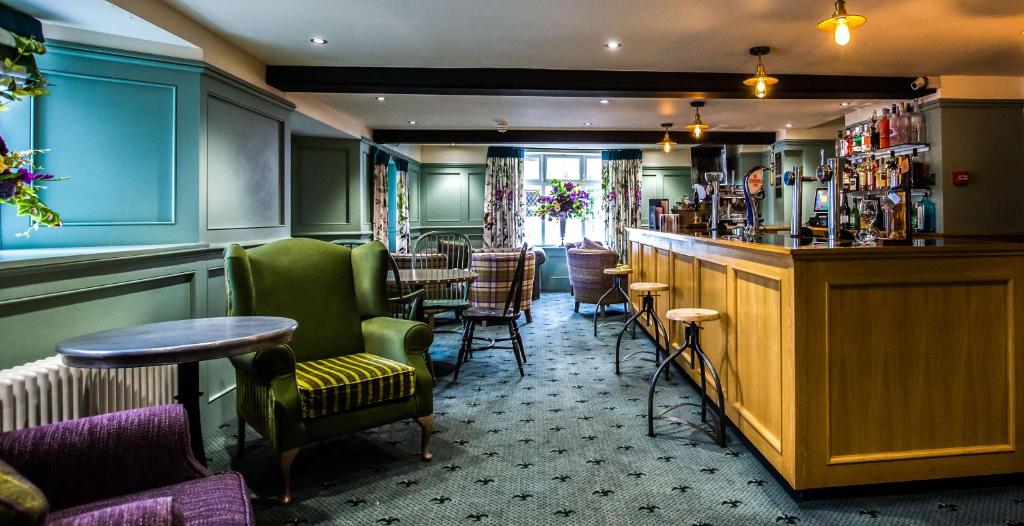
184	343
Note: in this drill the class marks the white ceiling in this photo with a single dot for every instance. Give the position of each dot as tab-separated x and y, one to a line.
902	37
98	16
482	112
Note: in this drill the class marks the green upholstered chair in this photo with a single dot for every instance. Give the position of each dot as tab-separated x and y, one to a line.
350	366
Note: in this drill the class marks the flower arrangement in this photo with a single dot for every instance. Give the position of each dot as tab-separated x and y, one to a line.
19	187
565	201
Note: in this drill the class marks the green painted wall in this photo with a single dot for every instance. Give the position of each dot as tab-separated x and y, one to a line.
451	197
664	182
327	187
43	303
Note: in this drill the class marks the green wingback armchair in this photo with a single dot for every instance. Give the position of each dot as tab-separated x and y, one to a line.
349	365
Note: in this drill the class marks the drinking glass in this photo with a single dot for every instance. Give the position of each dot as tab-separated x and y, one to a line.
868	234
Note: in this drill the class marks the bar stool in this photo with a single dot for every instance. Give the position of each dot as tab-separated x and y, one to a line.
647	308
616	273
692	317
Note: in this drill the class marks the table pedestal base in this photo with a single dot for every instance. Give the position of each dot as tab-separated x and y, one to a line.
188	396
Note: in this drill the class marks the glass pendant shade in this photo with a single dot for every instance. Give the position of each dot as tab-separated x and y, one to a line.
666	143
760	81
697	127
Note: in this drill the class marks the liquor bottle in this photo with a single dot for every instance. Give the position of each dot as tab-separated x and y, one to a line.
874	131
893	174
854	218
858	139
883	129
917	177
904	130
881	175
849	141
915	225
926	214
840	145
844	214
894	124
854	182
916	134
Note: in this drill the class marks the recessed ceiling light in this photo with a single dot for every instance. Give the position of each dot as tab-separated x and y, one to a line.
586	124
789	124
318	40
613	44
452	144
603	101
381	99
412	122
844	104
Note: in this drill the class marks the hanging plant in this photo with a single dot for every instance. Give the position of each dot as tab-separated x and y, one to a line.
19	177
19	75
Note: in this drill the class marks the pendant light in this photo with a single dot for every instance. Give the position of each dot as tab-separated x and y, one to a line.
840	23
666	143
760	81
697	127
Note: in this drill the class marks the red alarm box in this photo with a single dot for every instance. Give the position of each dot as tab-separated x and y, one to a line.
960	178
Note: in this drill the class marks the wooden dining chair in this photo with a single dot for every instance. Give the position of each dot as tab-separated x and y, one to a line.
508	316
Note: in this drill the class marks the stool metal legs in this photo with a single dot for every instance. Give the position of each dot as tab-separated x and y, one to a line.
646	309
617	288
697	356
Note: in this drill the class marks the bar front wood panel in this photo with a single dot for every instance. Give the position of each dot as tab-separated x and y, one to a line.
862	369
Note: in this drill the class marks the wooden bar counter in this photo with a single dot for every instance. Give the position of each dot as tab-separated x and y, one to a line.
857	365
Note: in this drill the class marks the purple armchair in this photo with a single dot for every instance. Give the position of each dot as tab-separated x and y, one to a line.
131	467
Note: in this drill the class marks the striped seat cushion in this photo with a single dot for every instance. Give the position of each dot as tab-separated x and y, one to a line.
350	382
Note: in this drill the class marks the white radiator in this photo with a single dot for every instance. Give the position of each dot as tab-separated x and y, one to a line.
47	391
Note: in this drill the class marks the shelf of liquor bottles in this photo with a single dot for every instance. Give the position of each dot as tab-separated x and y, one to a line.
902	149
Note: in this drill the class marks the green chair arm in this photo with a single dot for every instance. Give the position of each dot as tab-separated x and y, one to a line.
269	363
395	339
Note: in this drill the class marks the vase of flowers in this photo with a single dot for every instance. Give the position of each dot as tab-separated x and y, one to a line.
20	185
565	201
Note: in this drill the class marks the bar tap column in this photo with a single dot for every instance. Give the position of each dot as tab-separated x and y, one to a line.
795	178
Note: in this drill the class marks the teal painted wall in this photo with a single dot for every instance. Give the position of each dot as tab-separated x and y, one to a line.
451	197
125	130
328	188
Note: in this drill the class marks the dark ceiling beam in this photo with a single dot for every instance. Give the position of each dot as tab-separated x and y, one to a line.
525	137
578	83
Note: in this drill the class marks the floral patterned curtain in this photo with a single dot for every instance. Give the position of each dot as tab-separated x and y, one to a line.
379	223
621	182
504	204
403	225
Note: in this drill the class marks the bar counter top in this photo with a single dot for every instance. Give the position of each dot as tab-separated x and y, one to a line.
812	248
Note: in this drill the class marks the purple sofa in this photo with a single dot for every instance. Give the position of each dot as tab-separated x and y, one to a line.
131	467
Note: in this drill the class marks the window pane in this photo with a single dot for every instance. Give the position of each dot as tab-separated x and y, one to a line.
533	233
564	168
595	225
593	169
573	230
531	168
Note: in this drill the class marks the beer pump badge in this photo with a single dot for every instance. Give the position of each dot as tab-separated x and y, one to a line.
754	182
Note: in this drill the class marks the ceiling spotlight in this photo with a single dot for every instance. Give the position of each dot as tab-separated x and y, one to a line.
380	99
412	122
789	124
318	40
502	126
697	127
840	23
666	143
604	101
844	104
451	144
587	123
760	81
613	44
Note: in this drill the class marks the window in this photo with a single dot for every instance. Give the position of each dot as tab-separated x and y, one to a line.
583	168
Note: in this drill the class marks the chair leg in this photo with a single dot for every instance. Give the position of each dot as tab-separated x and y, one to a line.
240	442
286	459
512	338
518	341
430	366
654	385
467	342
426	430
577	307
529	316
618	340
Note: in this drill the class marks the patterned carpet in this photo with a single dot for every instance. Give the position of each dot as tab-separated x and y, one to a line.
565	446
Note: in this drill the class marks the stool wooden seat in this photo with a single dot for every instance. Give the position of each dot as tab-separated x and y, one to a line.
643	286
618	271
693	315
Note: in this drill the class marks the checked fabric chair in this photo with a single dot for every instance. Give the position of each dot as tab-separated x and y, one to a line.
350	366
